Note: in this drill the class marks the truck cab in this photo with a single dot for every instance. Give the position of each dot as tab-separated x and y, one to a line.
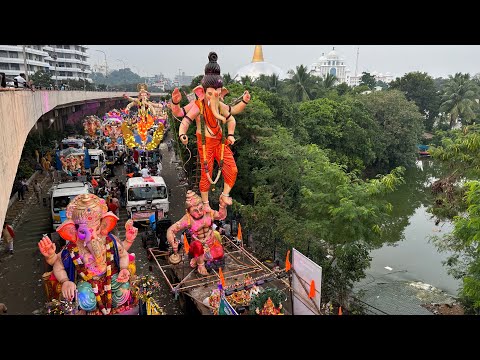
145	195
62	194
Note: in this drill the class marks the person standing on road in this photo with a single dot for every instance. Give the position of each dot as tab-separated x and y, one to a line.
8	235
38	191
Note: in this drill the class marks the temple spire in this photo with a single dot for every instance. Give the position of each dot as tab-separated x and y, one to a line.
258	54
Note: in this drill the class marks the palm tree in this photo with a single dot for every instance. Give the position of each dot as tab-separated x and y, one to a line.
458	98
329	81
271	83
227	79
246	80
300	84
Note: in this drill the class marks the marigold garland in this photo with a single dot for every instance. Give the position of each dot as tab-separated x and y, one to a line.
87	276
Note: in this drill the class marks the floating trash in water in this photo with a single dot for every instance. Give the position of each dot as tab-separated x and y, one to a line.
388	268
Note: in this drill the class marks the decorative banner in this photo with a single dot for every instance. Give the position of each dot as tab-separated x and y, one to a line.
306	272
225	308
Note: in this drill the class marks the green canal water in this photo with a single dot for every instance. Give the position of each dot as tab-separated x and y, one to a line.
407	253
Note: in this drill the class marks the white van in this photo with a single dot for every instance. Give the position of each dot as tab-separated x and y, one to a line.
145	196
62	194
98	162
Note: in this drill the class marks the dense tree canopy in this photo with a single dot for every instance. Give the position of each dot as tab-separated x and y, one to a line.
401	127
420	88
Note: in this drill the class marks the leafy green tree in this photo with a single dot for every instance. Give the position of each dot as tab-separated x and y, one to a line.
271	83
246	80
457	198
227	79
196	81
460	151
303	200
401	128
360	89
458	98
42	79
368	79
345	129
382	84
343	89
420	88
462	245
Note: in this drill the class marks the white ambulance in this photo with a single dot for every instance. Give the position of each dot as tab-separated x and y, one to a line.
145	195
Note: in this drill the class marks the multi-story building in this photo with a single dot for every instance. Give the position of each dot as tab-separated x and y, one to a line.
68	62
336	65
183	80
12	59
331	64
64	62
356	80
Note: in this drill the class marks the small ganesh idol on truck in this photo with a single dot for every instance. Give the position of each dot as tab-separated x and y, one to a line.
205	249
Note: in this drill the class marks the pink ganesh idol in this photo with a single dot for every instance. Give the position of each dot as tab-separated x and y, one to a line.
204	247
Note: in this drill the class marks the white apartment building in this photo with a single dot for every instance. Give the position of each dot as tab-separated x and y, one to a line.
64	62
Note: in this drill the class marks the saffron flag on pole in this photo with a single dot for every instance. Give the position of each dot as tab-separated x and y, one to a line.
239	232
222	279
186	246
311	295
288	266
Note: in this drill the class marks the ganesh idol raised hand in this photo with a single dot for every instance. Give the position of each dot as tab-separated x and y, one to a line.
209	113
93	262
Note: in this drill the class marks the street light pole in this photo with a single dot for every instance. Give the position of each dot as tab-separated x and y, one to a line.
25	62
124	73
83	73
54	57
106	64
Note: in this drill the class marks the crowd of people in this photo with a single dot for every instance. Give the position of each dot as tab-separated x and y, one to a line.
19	82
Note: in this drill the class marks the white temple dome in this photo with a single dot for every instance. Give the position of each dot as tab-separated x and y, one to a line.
258	67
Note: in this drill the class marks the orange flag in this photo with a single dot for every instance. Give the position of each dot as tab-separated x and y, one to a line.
288	266
222	279
185	243
340	311
311	295
239	233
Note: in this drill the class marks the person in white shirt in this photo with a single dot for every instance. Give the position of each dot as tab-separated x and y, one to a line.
20	80
145	172
159	169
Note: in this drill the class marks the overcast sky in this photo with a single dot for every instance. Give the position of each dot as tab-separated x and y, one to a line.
436	60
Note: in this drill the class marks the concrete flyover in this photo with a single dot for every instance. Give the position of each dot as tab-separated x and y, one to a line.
19	112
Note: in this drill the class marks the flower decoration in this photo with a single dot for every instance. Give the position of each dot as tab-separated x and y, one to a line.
60	307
